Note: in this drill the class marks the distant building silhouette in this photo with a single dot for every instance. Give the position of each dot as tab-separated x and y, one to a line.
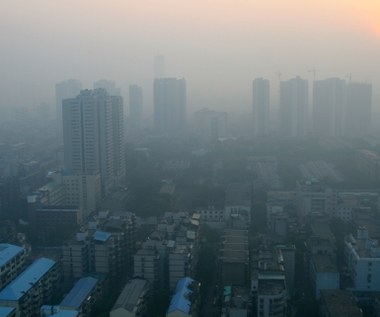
293	107
135	106
329	103
170	105
64	90
358	109
261	108
93	136
210	125
109	86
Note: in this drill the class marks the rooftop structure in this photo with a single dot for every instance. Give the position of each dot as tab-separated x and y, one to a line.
183	299
8	252
339	303
26	280
133	299
79	294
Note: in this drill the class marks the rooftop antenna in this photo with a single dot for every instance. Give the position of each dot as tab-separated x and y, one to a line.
349	76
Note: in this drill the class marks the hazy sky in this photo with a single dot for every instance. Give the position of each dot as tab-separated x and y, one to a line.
218	46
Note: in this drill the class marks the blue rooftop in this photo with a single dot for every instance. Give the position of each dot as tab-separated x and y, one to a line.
180	300
6	311
8	252
79	292
101	235
55	311
25	281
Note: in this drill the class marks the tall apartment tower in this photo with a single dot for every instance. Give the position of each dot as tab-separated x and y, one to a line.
135	106
170	105
64	90
294	107
260	102
93	136
329	103
358	109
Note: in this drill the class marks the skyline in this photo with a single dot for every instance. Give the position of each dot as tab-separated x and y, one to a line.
219	47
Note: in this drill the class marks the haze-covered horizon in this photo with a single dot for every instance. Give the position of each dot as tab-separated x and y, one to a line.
219	47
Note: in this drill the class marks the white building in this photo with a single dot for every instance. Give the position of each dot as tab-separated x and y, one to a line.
93	136
363	261
314	198
271	295
324	274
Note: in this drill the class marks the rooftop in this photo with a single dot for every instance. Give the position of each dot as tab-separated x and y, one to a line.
340	303
78	294
132	292
25	281
6	311
101	236
181	298
324	264
8	252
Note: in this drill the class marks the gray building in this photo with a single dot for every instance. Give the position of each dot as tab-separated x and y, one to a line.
64	90
135	106
294	107
261	106
170	105
329	103
358	109
93	135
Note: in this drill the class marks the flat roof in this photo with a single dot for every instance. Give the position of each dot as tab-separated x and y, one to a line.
78	294
25	281
131	294
8	252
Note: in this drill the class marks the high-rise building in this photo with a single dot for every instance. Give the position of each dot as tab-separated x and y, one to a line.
329	102
170	105
109	86
294	107
135	106
261	109
93	136
358	109
64	90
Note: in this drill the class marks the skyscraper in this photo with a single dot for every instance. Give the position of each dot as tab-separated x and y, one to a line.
64	90
293	107
358	109
135	106
170	105
329	102
93	136
261	110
